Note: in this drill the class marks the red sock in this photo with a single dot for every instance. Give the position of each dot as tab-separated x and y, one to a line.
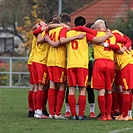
60	100
45	99
30	101
101	103
82	104
51	100
115	106
34	100
108	103
130	106
56	95
120	99
126	104
40	99
72	104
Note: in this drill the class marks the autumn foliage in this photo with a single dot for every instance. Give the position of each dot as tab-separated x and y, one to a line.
26	30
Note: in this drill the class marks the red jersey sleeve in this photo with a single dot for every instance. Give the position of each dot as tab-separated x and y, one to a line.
37	31
114	47
63	32
129	42
85	29
119	38
89	37
123	39
127	38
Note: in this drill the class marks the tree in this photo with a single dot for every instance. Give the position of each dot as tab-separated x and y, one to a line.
26	29
23	14
12	14
125	25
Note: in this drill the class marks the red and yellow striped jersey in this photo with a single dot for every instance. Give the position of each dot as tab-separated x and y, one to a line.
77	51
101	51
33	50
56	56
42	50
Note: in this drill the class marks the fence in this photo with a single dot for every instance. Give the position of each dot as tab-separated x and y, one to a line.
14	72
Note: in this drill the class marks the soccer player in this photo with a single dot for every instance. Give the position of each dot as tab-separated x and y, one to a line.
40	61
33	85
77	67
57	74
124	61
57	71
103	73
33	78
90	91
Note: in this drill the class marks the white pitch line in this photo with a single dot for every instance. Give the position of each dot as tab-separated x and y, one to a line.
119	130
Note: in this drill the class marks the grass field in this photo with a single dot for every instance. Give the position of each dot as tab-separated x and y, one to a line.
13	119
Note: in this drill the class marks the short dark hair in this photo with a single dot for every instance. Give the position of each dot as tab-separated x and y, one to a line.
56	20
51	18
79	21
65	18
63	13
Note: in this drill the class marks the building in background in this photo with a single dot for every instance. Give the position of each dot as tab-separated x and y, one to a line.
110	10
9	43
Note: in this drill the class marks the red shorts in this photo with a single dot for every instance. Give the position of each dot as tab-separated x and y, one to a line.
42	73
77	76
103	74
117	79
32	73
127	77
57	74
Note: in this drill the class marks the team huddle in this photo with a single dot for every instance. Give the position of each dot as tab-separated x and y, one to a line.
59	62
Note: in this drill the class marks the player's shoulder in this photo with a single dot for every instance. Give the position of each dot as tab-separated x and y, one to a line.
116	31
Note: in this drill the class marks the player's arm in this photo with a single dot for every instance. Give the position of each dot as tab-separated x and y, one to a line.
57	43
63	40
52	43
122	49
39	30
124	40
36	26
100	40
39	27
129	42
53	26
85	29
41	23
114	47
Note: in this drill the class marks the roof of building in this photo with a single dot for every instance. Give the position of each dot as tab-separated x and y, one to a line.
109	10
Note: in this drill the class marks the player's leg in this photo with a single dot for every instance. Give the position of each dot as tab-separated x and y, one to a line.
101	103
91	101
42	80
51	99
60	101
30	93
82	103
67	113
72	101
44	109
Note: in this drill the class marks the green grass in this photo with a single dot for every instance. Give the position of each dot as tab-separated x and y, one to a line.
13	118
